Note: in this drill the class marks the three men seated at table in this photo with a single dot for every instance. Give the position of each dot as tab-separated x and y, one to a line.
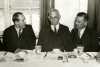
55	36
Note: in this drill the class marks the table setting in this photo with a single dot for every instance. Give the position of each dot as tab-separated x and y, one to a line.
31	55
23	56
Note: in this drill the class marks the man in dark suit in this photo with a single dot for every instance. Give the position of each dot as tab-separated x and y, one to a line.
19	35
84	36
56	35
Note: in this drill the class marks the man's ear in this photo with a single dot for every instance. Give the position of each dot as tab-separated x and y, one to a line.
85	23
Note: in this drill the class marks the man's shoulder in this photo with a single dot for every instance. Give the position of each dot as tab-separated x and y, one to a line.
91	31
64	27
28	26
9	28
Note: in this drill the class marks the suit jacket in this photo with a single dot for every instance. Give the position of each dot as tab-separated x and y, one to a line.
88	40
61	39
1	46
25	41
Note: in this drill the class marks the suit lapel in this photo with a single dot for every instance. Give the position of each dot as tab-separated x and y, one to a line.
76	34
14	32
84	34
59	28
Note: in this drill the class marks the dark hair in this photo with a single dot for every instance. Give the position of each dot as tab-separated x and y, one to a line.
15	16
83	14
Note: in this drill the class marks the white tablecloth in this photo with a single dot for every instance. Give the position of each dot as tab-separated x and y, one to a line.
47	64
39	61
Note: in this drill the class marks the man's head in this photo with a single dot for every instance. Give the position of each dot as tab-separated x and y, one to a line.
54	16
81	20
19	20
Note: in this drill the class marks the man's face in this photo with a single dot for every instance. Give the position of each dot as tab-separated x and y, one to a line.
21	22
54	18
80	23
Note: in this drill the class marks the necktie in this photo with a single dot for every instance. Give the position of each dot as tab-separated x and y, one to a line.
79	33
20	31
55	29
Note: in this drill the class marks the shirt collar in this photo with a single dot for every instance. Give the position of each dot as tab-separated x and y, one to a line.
17	29
57	27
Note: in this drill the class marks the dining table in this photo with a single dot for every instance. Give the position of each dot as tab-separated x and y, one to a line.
29	58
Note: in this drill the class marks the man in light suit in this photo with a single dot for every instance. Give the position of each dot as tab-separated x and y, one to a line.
56	35
19	35
82	35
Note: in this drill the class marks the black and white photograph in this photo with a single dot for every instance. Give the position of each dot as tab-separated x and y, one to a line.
49	33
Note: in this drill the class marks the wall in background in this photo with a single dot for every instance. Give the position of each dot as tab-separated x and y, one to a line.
2	24
68	10
30	8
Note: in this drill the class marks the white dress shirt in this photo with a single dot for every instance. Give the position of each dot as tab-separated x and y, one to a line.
53	27
81	32
18	31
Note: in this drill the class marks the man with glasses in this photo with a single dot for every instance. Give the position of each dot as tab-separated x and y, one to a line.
56	37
